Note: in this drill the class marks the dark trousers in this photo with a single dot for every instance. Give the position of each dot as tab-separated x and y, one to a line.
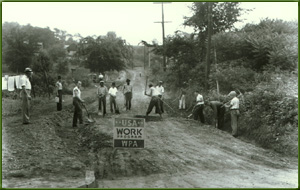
59	104
198	112
102	100
128	97
161	104
112	101
77	112
25	107
220	117
155	101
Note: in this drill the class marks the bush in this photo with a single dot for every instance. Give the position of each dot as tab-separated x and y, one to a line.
270	115
271	42
81	74
234	77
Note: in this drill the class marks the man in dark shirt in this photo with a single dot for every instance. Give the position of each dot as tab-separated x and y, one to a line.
219	111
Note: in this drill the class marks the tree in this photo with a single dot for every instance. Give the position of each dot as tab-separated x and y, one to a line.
43	66
224	15
21	43
105	52
220	16
16	47
62	66
182	53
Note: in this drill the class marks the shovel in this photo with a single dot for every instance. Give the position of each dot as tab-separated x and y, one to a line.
90	119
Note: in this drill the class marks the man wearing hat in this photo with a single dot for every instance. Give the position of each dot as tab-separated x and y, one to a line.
25	94
127	91
77	102
161	91
234	107
102	93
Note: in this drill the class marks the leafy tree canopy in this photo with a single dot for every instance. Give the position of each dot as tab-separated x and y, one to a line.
224	15
105	53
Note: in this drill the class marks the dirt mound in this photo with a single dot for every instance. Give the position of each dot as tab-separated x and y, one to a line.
41	148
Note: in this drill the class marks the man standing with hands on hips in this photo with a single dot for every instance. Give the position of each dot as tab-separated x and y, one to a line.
25	95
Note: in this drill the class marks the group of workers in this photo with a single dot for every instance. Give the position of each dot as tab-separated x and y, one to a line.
156	94
219	109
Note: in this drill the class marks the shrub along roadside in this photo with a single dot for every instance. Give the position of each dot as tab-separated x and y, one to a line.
271	120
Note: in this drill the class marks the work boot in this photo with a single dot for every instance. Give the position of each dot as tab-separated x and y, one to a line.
99	113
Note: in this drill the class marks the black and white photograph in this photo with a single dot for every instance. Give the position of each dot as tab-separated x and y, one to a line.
149	95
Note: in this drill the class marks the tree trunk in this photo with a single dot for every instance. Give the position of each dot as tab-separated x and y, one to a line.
209	33
217	71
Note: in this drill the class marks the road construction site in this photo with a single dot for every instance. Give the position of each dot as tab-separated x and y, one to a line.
178	153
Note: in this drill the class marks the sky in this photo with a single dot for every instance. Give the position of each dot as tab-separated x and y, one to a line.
132	21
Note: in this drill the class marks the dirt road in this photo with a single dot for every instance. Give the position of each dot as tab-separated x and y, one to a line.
178	153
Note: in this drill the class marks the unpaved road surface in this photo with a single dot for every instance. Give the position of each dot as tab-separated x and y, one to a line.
178	153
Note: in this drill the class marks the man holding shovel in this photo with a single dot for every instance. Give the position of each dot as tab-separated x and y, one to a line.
155	100
198	108
77	102
219	111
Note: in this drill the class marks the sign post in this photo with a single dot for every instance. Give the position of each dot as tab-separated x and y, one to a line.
129	133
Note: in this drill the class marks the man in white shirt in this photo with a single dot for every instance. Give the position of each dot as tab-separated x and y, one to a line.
25	94
234	112
77	102
155	101
113	95
198	108
161	91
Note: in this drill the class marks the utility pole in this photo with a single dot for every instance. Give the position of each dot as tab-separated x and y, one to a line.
209	34
163	31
